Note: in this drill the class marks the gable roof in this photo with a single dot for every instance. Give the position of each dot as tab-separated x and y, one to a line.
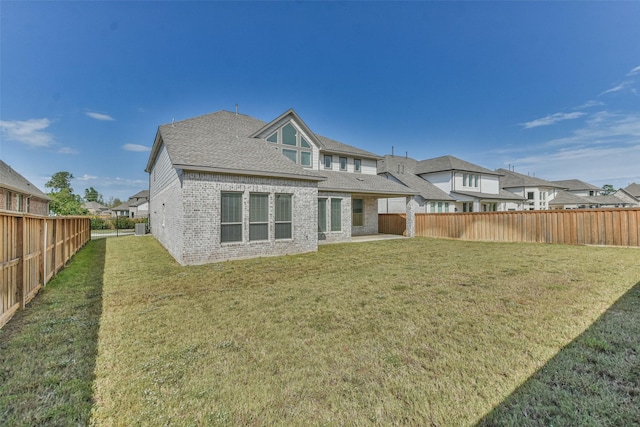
143	194
397	164
564	197
13	181
450	163
220	142
511	179
424	188
575	185
362	183
502	195
94	205
633	189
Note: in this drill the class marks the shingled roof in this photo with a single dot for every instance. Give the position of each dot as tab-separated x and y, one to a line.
575	185
220	142
424	188
633	189
512	179
448	163
13	181
362	183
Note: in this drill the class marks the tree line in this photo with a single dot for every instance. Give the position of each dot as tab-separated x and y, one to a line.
65	202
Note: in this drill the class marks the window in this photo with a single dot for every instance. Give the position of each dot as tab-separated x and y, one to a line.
357	165
464	179
7	200
343	163
357	213
258	216
446	206
296	143
433	207
467	207
289	135
19	198
336	214
322	215
231	217
305	158
439	207
530	195
327	161
283	216
291	154
470	180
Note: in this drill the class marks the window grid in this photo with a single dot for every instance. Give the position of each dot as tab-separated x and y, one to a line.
231	217
336	214
258	216
283	216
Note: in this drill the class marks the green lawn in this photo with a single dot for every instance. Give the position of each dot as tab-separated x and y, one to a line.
403	332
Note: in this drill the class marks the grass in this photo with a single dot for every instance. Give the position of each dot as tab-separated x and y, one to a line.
402	332
48	351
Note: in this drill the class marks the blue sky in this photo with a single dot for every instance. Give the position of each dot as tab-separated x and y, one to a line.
551	88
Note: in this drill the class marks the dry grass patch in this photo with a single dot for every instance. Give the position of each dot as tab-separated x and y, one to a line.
413	332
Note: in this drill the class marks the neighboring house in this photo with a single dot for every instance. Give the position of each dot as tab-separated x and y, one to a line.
121	210
17	194
630	194
139	204
578	188
226	186
97	209
429	198
578	194
536	192
136	207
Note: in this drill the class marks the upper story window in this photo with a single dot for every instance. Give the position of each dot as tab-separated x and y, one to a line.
298	148
530	195
357	165
343	163
470	180
327	161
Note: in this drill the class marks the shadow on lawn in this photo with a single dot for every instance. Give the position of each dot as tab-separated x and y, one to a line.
594	380
48	351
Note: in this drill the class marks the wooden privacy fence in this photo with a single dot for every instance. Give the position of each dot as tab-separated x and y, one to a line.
611	227
32	250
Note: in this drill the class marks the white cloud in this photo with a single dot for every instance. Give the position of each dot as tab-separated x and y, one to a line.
589	104
86	177
99	116
29	132
617	88
552	119
634	71
136	147
67	150
606	150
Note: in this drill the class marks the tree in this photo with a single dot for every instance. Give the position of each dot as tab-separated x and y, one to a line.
60	181
607	189
63	201
92	195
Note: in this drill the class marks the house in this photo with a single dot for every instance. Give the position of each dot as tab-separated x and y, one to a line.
576	194
226	186
536	192
139	204
17	194
429	198
97	209
468	187
121	210
630	194
578	188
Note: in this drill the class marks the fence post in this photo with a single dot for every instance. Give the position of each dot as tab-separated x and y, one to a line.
21	234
